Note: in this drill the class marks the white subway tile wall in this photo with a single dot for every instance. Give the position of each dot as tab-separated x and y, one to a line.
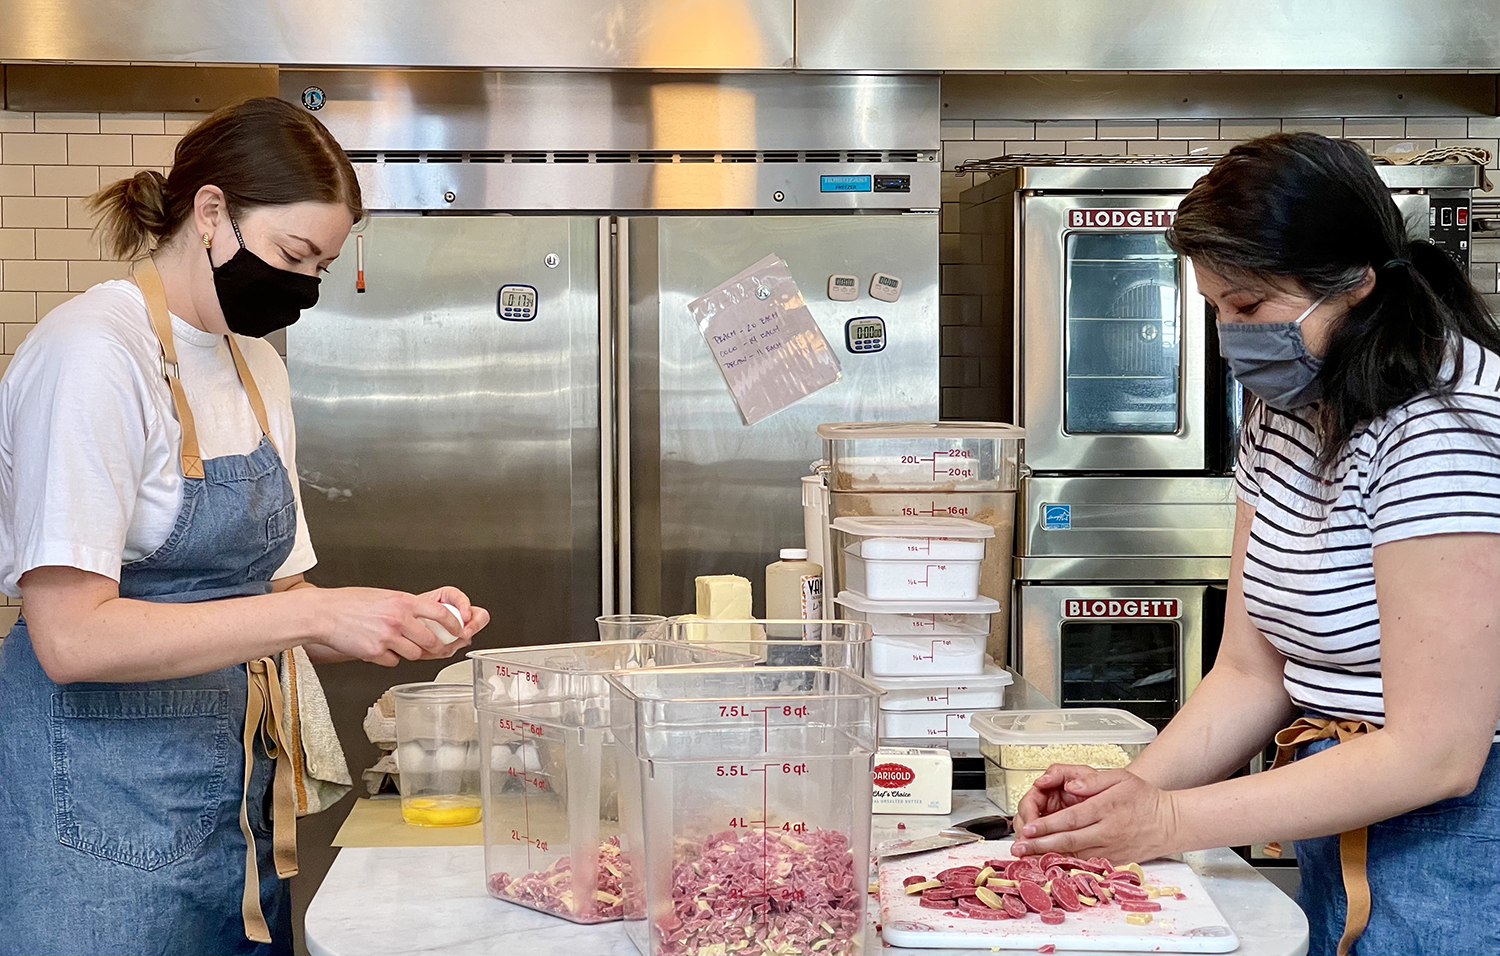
975	384
49	163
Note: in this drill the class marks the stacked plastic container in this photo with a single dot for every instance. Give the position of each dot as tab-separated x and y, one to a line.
745	798
549	777
1019	745
915	581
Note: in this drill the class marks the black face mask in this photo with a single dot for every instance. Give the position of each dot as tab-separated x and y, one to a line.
256	297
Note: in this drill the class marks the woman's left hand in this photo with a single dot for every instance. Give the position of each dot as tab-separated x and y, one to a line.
1118	816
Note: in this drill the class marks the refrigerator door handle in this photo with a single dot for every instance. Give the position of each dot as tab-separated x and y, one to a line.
621	297
607	450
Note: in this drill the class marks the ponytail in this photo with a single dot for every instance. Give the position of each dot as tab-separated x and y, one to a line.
262	152
134	216
1301	207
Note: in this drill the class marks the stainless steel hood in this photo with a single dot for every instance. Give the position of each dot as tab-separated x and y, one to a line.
713	35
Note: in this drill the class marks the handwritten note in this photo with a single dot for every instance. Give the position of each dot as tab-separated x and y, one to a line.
764	340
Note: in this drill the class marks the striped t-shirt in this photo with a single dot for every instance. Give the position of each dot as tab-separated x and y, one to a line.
1427	467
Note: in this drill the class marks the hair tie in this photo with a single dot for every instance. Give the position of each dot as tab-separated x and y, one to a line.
1395	263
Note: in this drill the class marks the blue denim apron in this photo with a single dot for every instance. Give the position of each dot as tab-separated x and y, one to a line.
120	804
1434	877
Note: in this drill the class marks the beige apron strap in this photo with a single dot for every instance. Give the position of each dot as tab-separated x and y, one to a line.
1353	844
263	718
149	281
252	392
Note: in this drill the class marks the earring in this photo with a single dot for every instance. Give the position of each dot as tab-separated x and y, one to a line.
207	240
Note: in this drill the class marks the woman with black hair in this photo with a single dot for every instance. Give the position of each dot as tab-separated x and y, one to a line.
1364	592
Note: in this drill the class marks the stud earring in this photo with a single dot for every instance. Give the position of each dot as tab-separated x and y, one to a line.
207	240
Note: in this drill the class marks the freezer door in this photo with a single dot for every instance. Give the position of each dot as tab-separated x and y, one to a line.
1112	354
448	434
712	495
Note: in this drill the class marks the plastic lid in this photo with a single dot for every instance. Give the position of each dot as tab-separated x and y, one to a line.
1086	725
994	676
794	554
839	430
980	605
892	527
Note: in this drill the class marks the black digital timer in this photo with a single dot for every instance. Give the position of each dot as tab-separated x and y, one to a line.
864	334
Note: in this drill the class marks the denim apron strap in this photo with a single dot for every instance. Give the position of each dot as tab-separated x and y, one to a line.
263	716
263	697
1354	844
149	281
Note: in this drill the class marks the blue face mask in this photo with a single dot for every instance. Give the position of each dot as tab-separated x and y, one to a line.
1271	360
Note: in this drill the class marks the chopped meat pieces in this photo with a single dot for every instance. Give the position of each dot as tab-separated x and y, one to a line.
744	891
551	890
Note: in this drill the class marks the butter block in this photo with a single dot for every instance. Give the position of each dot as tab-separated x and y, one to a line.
913	780
724	597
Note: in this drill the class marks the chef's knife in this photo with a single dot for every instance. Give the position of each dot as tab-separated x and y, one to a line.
970	831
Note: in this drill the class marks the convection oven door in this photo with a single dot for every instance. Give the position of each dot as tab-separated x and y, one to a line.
1139	648
1113	338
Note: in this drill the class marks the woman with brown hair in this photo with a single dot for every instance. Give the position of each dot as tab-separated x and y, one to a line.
149	520
1364	591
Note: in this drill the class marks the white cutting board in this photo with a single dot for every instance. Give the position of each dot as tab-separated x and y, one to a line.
1196	925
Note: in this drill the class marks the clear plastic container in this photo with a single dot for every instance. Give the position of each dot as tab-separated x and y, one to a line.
747	796
550	780
914	619
780	643
907	580
911	724
630	627
985	692
437	754
1019	745
950	655
922	456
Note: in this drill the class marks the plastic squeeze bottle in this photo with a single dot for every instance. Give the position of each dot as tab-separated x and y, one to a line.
794	590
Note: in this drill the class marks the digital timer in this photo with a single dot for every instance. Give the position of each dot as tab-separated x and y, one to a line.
865	333
886	288
516	303
843	288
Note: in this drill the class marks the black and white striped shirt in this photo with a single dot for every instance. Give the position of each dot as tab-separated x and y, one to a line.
1427	467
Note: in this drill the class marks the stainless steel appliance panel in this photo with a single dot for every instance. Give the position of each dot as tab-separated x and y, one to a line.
1112	339
1111	649
1055	35
1131	177
710	494
1114	515
492	111
442	444
508	34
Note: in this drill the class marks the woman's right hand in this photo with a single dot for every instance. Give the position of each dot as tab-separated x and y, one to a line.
1049	793
383	627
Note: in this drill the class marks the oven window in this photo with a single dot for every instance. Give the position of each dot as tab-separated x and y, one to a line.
1131	665
1124	343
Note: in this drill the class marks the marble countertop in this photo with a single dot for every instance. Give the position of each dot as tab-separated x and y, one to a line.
393	900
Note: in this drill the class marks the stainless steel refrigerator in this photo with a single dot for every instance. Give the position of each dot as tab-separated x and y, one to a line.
520	403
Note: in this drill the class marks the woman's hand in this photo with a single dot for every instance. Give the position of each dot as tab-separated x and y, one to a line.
1108	813
384	627
1049	793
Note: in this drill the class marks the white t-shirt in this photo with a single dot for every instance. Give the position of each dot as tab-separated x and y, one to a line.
90	474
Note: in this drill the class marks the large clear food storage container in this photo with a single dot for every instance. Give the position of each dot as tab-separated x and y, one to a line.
548	770
913	619
747	796
781	643
922	456
1019	745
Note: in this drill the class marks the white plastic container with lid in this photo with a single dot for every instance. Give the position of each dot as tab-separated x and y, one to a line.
912	559
1019	745
916	619
948	655
922	456
912	724
986	691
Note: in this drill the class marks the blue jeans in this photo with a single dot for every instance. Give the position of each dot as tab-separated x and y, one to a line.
1434	877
